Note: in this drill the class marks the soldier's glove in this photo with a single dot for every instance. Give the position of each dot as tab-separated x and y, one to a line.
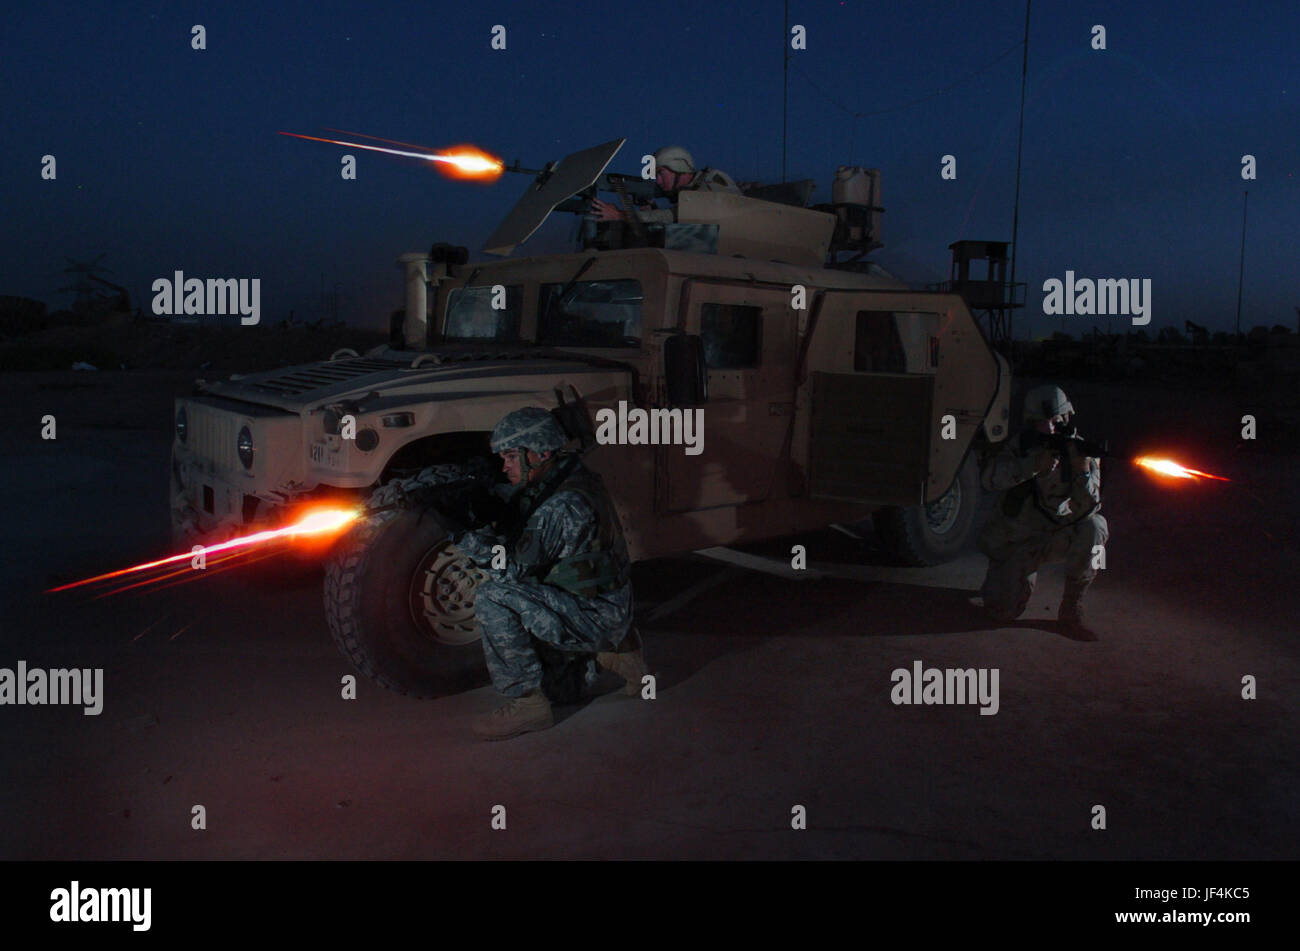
456	526
477	545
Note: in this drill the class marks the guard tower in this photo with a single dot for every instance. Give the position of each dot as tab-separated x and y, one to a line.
984	287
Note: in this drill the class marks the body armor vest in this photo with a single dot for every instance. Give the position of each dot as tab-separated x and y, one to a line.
599	570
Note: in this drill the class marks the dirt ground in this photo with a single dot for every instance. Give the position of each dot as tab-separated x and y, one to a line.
772	692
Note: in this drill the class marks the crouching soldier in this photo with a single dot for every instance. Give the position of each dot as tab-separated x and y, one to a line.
565	576
1049	512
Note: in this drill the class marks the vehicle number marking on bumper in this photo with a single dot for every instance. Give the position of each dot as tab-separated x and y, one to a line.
321	455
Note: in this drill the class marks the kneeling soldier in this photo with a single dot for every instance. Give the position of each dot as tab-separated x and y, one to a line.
1048	512
565	581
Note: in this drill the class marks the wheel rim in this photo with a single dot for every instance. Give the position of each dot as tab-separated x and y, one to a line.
442	596
941	514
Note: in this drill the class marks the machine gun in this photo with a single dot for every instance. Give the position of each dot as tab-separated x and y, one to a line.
628	187
631	188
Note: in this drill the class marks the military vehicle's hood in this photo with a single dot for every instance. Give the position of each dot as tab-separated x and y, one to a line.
396	378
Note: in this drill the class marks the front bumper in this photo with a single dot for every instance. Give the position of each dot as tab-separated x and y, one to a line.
205	509
213	494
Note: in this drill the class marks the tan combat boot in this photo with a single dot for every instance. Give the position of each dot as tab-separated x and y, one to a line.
530	712
1070	615
627	661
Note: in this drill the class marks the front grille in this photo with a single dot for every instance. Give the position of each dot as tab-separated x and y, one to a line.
212	435
304	379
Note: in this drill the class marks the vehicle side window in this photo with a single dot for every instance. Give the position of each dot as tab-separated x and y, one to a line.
470	315
730	333
591	314
876	346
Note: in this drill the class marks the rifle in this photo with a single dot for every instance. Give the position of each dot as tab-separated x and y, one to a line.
459	496
1060	441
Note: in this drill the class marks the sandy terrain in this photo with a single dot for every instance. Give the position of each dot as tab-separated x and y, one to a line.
772	693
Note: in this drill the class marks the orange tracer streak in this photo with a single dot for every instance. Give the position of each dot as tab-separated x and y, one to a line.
314	523
1167	467
458	161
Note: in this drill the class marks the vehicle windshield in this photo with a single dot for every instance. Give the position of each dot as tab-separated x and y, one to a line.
472	318
591	314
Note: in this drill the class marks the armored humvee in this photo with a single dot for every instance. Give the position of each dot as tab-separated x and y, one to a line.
829	393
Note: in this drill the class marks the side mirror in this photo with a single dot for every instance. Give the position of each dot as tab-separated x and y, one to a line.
574	418
685	372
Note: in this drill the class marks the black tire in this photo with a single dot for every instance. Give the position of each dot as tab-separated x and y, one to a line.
935	533
399	603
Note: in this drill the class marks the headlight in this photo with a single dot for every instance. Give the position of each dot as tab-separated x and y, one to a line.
182	424
367	440
244	446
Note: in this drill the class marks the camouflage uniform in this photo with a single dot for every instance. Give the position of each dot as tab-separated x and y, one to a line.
1040	518
565	580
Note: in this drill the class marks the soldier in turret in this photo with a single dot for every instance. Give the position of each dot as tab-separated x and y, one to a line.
674	173
565	581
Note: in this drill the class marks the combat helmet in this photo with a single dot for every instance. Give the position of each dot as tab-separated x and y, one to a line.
529	428
1045	402
675	159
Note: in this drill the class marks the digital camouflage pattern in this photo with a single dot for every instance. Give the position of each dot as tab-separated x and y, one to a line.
1040	518
564	519
532	428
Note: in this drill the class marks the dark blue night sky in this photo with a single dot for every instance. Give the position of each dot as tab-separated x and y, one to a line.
168	158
